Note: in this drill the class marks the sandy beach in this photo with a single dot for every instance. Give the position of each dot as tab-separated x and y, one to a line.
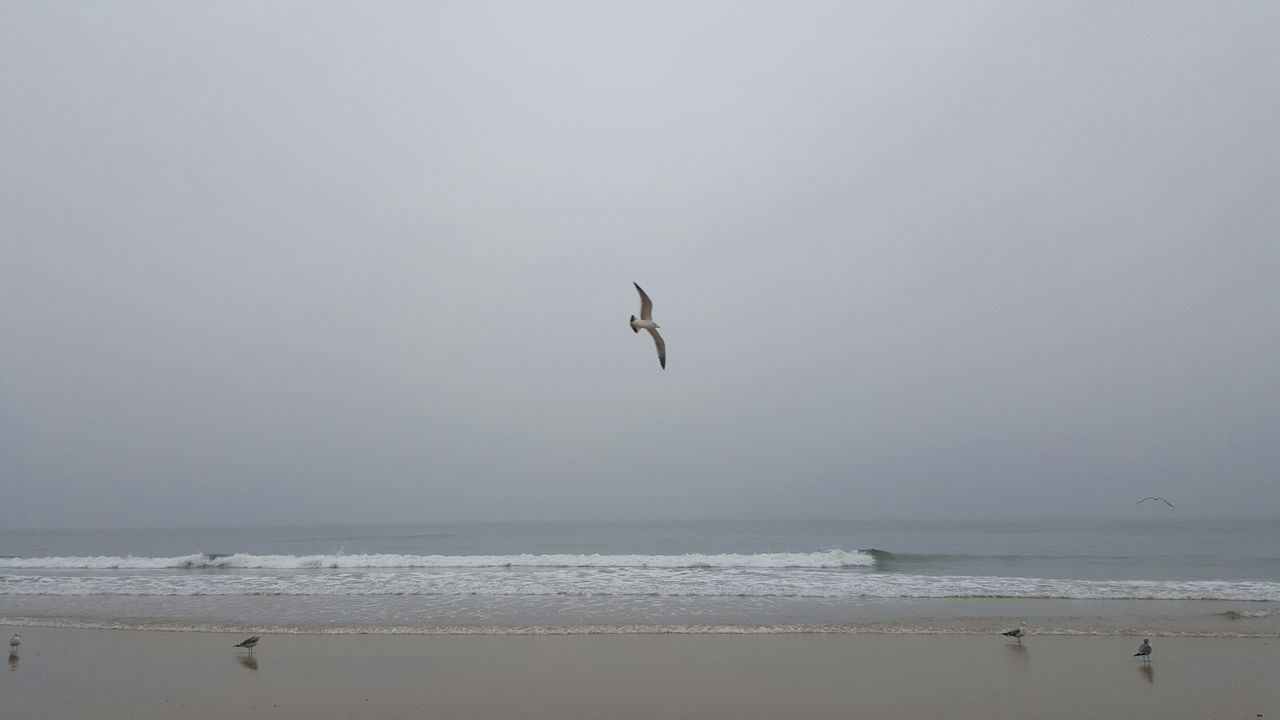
64	673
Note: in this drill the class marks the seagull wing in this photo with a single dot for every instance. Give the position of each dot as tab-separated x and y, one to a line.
646	305
662	345
1166	502
1144	500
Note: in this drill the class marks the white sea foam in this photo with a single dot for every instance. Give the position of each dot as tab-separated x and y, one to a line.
614	580
826	574
1249	614
824	559
596	629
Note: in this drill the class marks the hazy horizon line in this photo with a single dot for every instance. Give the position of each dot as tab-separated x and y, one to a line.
662	521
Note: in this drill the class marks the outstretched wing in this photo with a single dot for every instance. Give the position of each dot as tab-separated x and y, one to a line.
646	305
662	345
1166	502
1144	500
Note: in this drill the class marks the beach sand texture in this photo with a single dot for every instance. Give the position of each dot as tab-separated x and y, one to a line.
68	673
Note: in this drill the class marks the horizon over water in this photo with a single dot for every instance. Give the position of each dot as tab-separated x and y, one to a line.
1159	575
1132	514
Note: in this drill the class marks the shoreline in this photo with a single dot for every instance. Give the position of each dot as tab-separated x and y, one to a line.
438	615
126	673
624	629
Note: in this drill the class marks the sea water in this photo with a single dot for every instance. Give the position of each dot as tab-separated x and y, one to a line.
1157	576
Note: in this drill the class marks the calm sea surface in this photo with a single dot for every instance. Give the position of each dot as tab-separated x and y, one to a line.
1158	576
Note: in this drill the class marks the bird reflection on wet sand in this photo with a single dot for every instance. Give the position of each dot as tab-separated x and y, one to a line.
1148	671
249	661
1019	658
13	661
1018	651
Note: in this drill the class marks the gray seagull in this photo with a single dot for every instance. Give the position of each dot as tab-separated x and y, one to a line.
1144	651
1166	502
248	643
646	323
1017	632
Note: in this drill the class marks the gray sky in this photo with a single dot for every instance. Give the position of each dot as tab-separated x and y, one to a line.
328	262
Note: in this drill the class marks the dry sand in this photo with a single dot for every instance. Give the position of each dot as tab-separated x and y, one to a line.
64	673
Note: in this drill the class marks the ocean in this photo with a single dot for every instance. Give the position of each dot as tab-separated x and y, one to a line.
1160	576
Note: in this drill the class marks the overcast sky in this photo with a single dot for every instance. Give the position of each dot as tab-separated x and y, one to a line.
334	262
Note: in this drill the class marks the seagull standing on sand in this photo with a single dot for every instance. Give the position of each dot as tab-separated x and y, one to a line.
646	323
248	643
14	642
1017	632
1144	651
1166	502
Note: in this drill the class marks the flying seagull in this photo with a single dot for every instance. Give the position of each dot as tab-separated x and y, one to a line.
1017	632
15	641
248	643
1144	651
646	322
1166	502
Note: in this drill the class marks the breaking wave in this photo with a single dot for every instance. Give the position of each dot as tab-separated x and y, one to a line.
196	561
1248	614
590	581
833	573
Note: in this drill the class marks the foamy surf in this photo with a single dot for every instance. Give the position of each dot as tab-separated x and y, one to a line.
986	629
1078	578
614	580
1249	614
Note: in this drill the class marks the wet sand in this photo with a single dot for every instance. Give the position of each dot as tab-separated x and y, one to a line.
65	673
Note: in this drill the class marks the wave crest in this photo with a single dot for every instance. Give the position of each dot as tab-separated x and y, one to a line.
197	561
1248	614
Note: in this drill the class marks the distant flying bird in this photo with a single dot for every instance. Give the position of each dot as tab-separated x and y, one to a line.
248	643
14	642
1017	632
646	323
1144	651
1166	502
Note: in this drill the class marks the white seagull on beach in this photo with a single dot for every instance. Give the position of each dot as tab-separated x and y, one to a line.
1153	497
14	642
646	323
1144	651
1017	632
248	643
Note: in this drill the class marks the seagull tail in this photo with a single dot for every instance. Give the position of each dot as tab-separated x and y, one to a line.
634	329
